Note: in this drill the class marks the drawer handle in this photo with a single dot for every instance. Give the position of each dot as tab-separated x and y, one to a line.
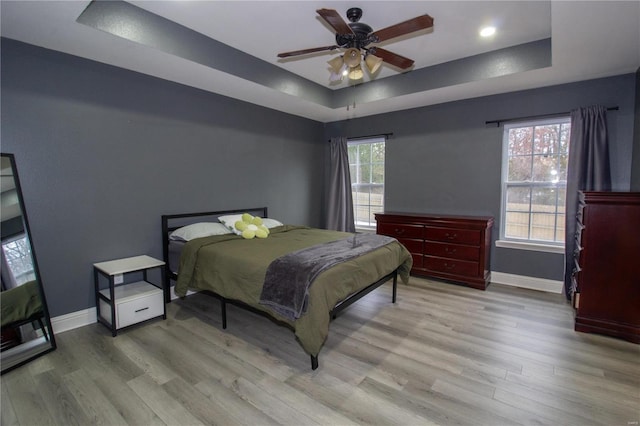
399	231
451	236
142	309
450	250
449	266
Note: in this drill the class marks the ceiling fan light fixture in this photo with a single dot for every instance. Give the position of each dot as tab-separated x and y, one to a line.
336	64
336	77
356	73
373	63
339	74
352	57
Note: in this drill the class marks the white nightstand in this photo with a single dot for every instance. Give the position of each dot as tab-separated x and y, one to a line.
129	303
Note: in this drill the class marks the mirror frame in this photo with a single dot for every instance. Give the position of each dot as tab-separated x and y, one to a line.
36	270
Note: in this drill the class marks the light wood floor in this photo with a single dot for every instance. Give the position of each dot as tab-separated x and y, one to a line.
443	354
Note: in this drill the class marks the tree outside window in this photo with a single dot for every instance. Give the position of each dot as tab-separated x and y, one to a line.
535	180
17	253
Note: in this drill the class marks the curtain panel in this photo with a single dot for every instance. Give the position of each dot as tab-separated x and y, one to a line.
588	169
340	201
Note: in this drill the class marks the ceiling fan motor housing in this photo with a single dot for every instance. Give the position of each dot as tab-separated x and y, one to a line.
361	31
360	37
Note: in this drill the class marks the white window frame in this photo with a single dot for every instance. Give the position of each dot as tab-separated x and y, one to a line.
520	243
17	254
370	225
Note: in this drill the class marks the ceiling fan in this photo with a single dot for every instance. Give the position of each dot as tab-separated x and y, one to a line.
356	37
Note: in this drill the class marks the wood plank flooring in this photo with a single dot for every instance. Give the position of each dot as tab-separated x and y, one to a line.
443	354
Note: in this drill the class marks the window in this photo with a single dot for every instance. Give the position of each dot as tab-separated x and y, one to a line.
534	181
366	165
18	257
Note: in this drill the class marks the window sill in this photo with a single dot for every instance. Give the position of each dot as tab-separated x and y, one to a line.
366	230
547	248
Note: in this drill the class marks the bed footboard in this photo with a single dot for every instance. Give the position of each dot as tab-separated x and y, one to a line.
356	296
334	312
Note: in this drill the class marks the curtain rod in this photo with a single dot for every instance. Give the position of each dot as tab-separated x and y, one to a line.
386	135
535	117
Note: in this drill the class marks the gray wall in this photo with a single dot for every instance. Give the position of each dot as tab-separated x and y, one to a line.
444	159
104	152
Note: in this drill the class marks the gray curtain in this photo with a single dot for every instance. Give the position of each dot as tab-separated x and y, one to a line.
340	204
588	169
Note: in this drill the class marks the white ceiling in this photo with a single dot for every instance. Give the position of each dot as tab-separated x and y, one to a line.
590	39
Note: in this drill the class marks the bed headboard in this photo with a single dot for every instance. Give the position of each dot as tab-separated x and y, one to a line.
171	222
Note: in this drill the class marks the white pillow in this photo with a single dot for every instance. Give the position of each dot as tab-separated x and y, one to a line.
271	223
199	230
230	222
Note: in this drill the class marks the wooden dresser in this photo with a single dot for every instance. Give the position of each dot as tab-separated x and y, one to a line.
607	264
454	248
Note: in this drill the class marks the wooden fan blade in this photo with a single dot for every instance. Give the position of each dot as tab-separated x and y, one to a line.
406	27
393	58
337	23
305	51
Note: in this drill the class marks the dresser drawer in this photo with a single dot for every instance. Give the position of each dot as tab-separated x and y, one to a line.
451	266
450	235
413	246
399	230
452	251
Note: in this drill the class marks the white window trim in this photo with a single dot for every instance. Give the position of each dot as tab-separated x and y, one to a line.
527	245
505	242
361	141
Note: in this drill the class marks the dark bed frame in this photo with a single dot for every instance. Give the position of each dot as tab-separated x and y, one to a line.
175	221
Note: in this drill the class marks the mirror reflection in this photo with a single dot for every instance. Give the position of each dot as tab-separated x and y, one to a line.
25	323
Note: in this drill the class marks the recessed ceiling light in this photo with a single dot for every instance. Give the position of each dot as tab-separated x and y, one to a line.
487	31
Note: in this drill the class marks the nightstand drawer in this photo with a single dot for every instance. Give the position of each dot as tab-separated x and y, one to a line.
134	302
140	309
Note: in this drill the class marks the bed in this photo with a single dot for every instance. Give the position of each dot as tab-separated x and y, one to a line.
21	305
236	270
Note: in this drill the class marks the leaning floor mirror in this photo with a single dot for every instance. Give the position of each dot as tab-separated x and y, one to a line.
26	325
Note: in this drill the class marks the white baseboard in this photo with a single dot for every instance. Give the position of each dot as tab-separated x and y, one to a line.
540	284
78	319
73	320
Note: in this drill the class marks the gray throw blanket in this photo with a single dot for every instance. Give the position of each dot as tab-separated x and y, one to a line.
288	278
